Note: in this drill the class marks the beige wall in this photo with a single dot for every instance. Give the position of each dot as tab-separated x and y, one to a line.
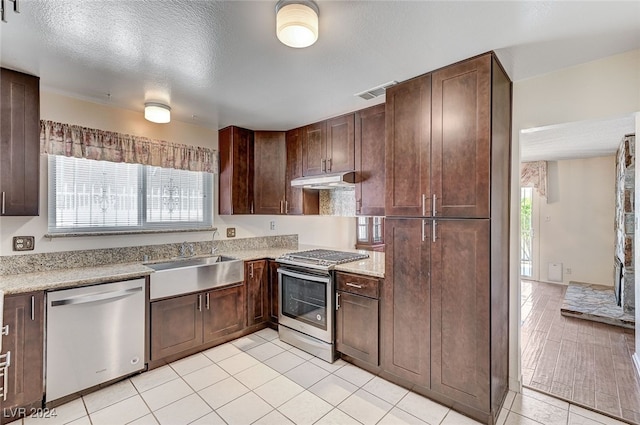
600	89
576	220
325	231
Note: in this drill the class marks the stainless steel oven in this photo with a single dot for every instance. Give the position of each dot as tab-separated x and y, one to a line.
306	299
305	314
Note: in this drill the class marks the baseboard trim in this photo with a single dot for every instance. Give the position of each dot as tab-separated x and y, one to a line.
636	363
515	384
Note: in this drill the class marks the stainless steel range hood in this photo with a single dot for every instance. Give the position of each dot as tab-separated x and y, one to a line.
326	181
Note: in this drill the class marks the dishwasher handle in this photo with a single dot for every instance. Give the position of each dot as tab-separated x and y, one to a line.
103	296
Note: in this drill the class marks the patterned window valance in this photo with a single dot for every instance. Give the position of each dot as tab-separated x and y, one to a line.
534	174
81	142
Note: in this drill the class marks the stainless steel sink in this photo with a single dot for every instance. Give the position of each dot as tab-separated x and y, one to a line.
182	276
181	263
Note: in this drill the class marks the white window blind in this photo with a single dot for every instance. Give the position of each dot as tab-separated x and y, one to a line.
96	196
174	195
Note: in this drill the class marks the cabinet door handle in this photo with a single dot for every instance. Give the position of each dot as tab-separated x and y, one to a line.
330	163
200	302
337	300
33	308
4	330
323	165
251	270
286	207
435	213
206	301
5	362
424	201
354	285
424	223
4	195
251	208
434	237
359	206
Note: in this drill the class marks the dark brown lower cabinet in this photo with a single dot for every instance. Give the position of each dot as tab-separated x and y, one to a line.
176	325
460	311
406	298
24	317
223	312
357	327
444	313
273	292
256	275
189	321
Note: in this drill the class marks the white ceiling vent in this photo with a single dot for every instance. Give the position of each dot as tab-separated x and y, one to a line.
376	91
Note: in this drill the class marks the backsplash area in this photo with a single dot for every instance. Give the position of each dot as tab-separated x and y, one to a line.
339	202
18	264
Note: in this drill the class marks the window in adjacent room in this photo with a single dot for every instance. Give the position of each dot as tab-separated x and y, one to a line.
370	233
97	196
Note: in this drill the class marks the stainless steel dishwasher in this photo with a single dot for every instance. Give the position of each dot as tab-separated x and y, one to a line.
94	334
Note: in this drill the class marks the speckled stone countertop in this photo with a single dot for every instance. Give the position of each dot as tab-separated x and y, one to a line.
58	279
67	278
372	266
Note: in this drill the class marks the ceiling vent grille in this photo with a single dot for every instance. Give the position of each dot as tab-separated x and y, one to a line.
376	91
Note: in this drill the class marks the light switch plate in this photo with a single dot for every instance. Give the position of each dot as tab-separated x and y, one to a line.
231	232
23	243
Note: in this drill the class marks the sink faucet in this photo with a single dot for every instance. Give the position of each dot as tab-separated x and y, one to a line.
214	246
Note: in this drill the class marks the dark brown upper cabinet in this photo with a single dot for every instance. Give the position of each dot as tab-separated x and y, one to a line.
19	143
270	166
235	195
408	148
439	143
461	139
328	146
297	200
370	164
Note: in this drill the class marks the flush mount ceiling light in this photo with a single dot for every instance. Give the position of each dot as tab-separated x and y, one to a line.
297	22
157	112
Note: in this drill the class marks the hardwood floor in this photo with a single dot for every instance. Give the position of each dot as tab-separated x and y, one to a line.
584	362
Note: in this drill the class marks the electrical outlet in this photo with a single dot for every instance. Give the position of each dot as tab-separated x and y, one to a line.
231	232
272	225
23	243
568	270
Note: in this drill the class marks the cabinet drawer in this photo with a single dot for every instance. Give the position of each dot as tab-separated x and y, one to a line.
357	284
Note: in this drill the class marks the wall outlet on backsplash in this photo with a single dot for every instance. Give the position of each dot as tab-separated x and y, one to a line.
272	225
231	232
23	243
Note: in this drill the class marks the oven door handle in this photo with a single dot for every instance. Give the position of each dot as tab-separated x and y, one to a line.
315	278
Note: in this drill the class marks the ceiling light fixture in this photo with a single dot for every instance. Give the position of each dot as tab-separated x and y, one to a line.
157	112
297	22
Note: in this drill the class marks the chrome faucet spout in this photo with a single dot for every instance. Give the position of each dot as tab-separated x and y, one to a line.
214	246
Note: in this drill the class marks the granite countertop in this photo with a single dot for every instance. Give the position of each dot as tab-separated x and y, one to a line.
372	266
67	278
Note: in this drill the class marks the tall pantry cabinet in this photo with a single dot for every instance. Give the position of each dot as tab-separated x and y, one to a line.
444	324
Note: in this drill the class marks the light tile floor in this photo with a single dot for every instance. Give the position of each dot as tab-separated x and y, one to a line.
260	380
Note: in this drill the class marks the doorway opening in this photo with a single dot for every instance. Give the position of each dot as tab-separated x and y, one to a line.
526	232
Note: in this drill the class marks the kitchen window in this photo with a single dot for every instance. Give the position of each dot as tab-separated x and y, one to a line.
98	196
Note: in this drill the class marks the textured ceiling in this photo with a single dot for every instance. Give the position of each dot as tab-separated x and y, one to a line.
221	62
575	140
